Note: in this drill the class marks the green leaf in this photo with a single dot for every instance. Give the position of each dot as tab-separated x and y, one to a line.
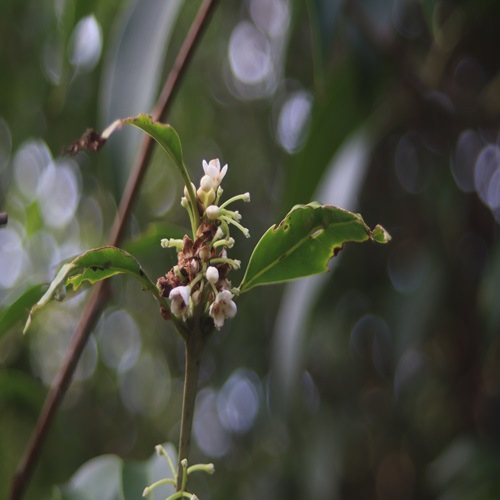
16	311
93	266
304	242
163	134
166	137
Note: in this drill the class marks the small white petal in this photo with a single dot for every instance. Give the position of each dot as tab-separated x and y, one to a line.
180	294
222	173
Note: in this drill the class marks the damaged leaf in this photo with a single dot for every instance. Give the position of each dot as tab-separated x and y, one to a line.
93	266
304	242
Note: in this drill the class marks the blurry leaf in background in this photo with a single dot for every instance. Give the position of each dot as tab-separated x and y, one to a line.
332	121
340	185
134	66
109	477
17	311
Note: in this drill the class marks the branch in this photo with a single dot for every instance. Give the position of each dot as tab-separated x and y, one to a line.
99	294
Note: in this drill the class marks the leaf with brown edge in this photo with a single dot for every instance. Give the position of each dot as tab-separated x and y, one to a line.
304	242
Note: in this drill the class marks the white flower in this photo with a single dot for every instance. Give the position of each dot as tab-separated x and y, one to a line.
214	171
179	304
222	308
212	274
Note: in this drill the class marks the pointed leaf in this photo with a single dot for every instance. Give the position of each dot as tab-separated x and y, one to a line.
93	266
304	242
162	133
16	311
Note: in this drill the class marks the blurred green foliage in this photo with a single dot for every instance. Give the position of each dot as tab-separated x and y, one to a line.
380	382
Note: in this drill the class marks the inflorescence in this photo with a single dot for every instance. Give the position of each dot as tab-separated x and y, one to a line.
200	276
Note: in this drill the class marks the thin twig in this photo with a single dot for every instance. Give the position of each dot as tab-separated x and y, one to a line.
99	295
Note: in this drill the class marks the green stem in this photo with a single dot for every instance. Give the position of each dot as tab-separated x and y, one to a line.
194	214
195	341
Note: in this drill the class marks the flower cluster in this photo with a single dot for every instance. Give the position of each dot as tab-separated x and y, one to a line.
199	280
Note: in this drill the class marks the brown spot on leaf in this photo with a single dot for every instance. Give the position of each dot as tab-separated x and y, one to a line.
337	250
89	141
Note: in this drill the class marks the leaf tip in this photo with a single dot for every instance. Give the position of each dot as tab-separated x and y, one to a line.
380	235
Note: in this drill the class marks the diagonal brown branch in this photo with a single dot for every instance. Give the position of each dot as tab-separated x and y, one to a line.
99	295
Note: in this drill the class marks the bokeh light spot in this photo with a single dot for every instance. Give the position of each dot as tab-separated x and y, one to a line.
145	388
293	120
86	44
11	257
50	345
271	16
487	163
44	255
211	436
59	193
119	340
249	54
238	401
30	161
468	146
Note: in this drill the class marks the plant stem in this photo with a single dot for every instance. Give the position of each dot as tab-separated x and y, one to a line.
98	298
195	342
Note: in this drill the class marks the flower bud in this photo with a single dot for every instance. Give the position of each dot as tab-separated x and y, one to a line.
206	197
212	212
212	275
186	193
206	183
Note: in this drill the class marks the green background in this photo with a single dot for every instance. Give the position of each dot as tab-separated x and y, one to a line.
379	381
